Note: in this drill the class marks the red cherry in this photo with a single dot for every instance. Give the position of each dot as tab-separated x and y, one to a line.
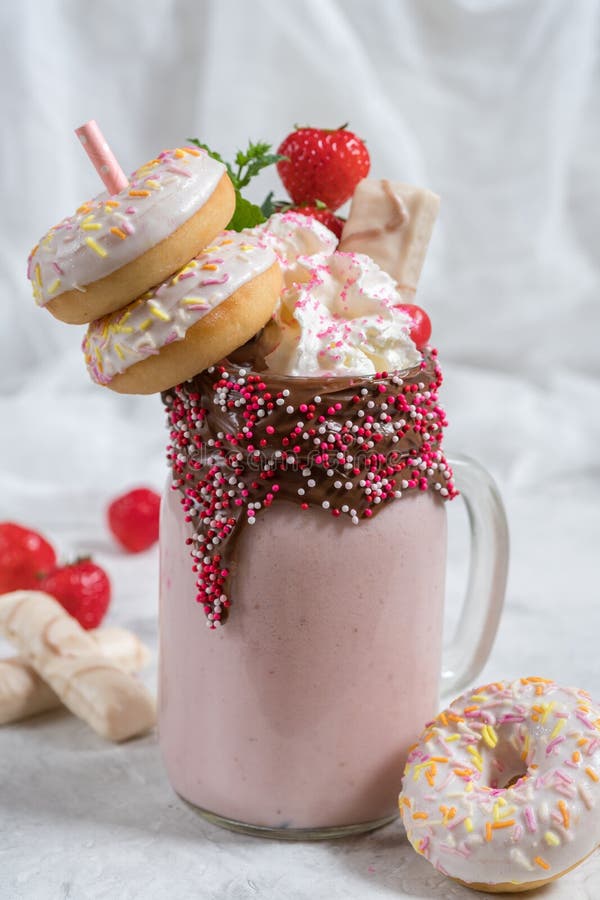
82	588
24	556
133	519
420	329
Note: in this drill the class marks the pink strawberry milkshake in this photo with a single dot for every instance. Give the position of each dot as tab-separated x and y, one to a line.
305	526
320	569
299	712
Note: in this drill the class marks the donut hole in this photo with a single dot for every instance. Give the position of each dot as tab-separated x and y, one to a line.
514	779
505	764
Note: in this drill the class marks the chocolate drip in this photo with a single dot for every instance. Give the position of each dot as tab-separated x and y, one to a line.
241	439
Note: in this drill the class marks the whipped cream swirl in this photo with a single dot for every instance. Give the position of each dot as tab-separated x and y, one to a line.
339	317
293	236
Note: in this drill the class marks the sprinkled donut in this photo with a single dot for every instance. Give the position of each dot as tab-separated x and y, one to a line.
116	247
211	306
502	792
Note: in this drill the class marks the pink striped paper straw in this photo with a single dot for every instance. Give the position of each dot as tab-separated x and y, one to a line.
102	157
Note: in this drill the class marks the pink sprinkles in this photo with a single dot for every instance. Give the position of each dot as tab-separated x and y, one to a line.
545	817
359	454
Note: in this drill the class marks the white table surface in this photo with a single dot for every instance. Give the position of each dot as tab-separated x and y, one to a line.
80	818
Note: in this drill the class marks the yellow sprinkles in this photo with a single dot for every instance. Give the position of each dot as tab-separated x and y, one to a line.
489	736
159	313
103	223
95	247
553	802
477	760
162	316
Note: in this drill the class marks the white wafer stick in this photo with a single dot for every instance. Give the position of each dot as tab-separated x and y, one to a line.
23	693
109	699
392	223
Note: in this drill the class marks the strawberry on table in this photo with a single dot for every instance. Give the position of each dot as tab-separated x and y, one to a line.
83	588
133	519
322	165
24	556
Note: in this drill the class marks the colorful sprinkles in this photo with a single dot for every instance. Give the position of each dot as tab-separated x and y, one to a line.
517	762
108	232
165	313
240	440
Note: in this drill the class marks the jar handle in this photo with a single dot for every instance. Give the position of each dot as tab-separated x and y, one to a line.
470	647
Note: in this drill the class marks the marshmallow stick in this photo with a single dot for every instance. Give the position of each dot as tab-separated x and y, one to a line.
392	223
65	656
23	693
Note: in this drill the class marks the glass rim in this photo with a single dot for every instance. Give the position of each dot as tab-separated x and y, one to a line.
328	379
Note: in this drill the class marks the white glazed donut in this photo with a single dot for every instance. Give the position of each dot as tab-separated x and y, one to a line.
502	791
211	306
116	247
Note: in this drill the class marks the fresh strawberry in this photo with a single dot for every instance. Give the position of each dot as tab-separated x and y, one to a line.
24	556
420	329
323	215
322	165
133	519
82	588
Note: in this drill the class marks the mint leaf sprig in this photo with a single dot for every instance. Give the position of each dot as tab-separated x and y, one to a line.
250	163
246	166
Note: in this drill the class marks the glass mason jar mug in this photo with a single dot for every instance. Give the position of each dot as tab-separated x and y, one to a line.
292	713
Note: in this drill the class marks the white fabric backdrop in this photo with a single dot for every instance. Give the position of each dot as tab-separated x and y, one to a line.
492	103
